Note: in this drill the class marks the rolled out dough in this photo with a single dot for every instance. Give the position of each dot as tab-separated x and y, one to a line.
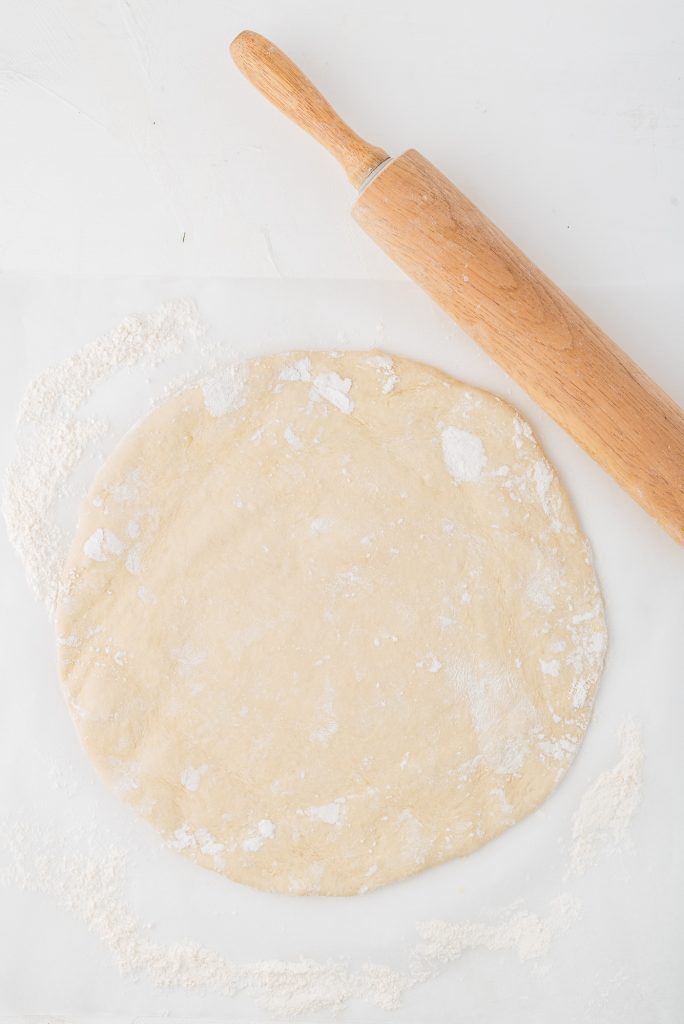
329	619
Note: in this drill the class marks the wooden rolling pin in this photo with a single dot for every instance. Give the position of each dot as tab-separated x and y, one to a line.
497	295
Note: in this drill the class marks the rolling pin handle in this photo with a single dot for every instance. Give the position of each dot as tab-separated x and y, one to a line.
281	82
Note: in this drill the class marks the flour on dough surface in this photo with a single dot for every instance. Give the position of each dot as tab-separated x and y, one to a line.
323	633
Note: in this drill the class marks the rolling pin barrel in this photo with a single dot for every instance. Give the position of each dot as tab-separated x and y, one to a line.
497	295
532	329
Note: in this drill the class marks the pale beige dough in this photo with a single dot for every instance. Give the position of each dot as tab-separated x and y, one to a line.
329	619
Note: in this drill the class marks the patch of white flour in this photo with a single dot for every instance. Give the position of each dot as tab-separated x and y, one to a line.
191	777
333	389
527	934
464	455
328	386
225	389
293	439
145	340
264	830
54	434
101	545
385	365
328	813
601	820
300	370
34	484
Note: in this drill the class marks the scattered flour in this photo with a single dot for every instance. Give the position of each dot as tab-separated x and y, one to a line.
146	340
301	370
34	484
184	838
529	935
224	390
333	389
54	435
321	524
601	821
327	386
543	478
134	559
293	439
102	544
464	455
264	830
331	813
493	696
386	367
191	777
83	873
381	363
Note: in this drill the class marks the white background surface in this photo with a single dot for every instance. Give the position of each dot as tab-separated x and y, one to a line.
124	129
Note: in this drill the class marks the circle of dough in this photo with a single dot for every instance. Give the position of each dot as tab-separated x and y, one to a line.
329	619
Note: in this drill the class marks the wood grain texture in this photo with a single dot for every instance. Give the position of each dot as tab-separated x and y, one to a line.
281	82
532	329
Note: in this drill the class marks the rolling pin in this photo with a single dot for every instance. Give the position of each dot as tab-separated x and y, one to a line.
497	295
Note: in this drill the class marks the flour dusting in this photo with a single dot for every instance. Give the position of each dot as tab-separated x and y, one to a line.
185	838
331	813
293	439
54	434
265	830
300	370
191	777
385	365
145	340
82	872
333	389
327	386
464	455
101	545
601	820
224	391
528	934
